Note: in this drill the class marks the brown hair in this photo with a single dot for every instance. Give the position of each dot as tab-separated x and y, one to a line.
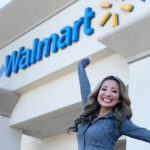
121	111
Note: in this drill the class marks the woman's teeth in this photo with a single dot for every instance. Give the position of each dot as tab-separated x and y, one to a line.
107	100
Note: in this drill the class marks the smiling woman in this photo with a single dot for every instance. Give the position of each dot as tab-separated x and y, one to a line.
4	3
106	115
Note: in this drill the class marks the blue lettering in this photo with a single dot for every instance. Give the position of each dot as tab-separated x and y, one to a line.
40	50
53	38
76	28
25	59
12	62
46	44
65	39
89	14
34	51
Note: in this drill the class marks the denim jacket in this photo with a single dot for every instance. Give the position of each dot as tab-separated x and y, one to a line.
100	135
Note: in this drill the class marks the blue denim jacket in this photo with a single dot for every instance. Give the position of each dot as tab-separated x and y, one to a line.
100	135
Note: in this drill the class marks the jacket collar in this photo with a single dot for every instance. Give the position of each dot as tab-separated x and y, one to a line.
106	116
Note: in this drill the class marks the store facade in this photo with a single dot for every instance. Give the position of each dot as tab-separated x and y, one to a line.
38	76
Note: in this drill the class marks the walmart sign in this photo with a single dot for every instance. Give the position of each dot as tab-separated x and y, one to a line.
25	57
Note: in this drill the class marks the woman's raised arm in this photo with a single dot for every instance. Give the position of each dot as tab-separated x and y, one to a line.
132	130
85	87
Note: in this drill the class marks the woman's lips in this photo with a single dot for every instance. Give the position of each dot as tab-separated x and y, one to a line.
107	100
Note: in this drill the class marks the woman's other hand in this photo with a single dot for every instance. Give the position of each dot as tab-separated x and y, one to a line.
90	58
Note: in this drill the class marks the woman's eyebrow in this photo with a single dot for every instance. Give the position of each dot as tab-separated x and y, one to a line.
114	88
104	86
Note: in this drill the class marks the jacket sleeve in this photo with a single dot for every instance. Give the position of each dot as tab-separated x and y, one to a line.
130	129
85	87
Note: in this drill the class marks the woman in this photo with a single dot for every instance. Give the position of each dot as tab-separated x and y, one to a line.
107	115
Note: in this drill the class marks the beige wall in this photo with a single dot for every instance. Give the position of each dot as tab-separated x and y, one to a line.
60	142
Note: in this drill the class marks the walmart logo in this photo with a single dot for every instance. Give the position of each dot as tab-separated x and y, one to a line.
25	57
68	35
115	19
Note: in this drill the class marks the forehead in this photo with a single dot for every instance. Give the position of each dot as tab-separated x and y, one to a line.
111	83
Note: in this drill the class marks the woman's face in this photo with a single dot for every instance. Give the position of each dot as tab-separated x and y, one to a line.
109	93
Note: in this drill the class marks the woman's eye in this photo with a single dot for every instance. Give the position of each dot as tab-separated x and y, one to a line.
103	89
114	91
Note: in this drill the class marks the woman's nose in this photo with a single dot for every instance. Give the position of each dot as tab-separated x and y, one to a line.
108	92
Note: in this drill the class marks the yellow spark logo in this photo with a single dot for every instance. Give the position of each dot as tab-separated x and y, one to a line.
114	21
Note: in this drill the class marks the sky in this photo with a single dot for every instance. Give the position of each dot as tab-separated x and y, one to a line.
3	3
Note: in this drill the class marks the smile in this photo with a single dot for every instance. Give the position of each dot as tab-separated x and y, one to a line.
105	100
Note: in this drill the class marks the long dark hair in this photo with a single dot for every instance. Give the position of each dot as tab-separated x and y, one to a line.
121	111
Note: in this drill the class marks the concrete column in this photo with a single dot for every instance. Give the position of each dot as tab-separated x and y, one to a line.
139	92
10	138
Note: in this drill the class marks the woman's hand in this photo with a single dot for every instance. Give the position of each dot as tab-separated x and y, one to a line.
90	58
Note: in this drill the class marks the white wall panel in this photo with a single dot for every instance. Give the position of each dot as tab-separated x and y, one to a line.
139	89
